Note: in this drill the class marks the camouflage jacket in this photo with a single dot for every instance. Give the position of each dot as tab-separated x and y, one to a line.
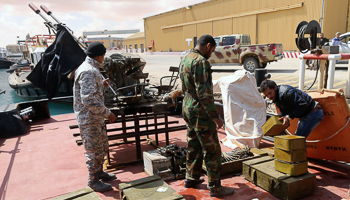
88	93
197	85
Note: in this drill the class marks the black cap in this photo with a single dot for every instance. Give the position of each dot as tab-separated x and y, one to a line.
95	49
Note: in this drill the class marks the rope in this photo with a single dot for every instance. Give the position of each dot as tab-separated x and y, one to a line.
314	141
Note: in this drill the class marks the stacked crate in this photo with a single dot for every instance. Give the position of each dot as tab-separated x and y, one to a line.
273	126
290	154
285	175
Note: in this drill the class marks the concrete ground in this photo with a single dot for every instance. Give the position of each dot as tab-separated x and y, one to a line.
158	66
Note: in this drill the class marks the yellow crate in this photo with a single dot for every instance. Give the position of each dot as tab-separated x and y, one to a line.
273	126
289	142
291	156
293	169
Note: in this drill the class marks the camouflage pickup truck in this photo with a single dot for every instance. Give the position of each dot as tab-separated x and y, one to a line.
236	49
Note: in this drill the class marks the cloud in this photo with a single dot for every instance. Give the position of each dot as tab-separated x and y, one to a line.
17	19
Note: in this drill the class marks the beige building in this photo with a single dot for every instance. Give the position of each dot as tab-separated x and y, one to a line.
266	21
135	43
108	42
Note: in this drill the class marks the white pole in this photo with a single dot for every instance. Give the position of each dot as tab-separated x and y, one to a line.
321	19
321	74
347	89
302	74
331	72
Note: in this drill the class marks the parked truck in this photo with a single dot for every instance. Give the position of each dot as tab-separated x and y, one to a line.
236	49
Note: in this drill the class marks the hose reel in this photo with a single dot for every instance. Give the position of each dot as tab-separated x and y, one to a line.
312	42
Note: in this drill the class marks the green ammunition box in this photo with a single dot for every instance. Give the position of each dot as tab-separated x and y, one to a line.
293	169
269	150
152	187
295	156
258	152
273	126
263	174
236	165
290	142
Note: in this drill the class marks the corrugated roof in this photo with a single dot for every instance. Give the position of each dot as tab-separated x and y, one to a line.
136	35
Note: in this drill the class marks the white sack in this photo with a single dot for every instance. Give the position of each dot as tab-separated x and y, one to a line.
244	109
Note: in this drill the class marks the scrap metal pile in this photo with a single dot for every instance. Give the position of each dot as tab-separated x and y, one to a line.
173	151
125	77
236	154
178	159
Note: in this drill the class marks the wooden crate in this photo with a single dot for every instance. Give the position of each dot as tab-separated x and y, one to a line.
236	166
152	187
261	172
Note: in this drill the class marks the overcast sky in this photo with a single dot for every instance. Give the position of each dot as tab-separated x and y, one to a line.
17	19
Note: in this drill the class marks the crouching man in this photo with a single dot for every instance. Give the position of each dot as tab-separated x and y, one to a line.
294	103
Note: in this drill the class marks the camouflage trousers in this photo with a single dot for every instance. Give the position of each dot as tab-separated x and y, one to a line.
203	144
95	142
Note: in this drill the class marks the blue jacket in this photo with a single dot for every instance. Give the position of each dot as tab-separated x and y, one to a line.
293	102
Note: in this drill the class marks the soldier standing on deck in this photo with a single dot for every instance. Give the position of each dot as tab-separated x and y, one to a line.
90	111
202	118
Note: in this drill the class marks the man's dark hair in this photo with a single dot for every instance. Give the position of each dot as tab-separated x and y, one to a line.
205	39
267	84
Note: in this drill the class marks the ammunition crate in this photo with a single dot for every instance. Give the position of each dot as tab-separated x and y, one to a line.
273	126
269	150
295	156
293	169
290	142
152	187
261	172
156	164
236	165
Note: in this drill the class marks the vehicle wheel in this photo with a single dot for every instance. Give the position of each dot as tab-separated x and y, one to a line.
250	64
264	65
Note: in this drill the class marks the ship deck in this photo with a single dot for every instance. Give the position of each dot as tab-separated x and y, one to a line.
47	163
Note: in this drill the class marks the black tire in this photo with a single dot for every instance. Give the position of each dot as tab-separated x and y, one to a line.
250	64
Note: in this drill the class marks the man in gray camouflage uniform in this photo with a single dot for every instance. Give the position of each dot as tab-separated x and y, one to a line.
202	118
90	112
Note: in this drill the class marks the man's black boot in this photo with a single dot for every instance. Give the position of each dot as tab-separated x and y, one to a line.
107	177
193	183
218	190
97	185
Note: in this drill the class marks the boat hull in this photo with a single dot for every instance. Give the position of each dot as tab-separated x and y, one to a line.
25	89
330	139
5	64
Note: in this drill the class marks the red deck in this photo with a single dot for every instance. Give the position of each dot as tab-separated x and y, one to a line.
47	163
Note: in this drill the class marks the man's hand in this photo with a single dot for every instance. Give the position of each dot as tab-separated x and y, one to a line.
105	82
285	120
111	118
219	123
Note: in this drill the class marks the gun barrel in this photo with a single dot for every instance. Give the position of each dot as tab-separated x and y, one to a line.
45	9
48	12
37	11
34	8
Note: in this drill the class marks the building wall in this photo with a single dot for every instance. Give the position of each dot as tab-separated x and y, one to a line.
109	42
135	41
266	21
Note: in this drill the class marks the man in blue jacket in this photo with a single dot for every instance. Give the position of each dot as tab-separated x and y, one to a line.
294	103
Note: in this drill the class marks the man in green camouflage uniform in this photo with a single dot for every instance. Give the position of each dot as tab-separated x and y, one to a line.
202	118
90	112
